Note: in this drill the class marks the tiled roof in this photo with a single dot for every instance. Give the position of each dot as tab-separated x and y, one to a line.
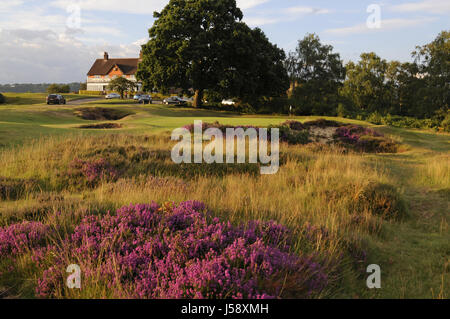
103	67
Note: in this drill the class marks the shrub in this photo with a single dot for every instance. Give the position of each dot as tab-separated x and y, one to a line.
294	125
20	238
403	121
85	92
322	123
375	118
364	139
179	251
382	200
446	124
293	137
288	135
55	88
89	173
352	133
2	99
375	144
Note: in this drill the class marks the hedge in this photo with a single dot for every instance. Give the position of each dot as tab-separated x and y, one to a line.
85	92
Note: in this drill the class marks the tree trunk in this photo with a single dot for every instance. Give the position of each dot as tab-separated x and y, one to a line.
198	98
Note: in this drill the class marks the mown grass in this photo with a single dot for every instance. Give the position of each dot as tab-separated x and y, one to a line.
394	207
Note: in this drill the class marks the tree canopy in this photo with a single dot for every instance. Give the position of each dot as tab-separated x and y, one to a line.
56	88
121	85
316	73
204	45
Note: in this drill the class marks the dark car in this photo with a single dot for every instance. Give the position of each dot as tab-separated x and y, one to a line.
174	100
145	99
56	99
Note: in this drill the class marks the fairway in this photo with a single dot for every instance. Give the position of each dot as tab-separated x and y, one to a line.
28	117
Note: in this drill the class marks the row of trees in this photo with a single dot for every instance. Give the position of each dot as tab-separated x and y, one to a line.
57	88
321	84
34	88
203	46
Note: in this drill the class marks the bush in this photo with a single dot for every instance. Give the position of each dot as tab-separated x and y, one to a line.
322	123
20	238
293	137
446	124
180	252
2	99
294	125
85	92
381	200
364	140
376	144
403	121
89	173
55	88
375	118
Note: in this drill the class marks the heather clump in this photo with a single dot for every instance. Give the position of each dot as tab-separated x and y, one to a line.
322	123
22	237
291	135
294	125
364	139
89	173
180	251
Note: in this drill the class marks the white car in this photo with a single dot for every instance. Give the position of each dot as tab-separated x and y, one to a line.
112	96
228	102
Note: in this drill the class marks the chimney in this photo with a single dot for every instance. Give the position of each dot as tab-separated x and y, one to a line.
141	55
106	56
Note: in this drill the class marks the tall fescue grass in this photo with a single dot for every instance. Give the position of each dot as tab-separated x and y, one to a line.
436	172
323	186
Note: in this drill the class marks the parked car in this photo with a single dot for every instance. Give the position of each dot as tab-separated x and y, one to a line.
136	97
174	100
112	96
187	99
56	99
228	102
145	99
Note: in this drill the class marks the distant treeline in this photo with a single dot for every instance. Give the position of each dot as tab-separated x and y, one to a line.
34	88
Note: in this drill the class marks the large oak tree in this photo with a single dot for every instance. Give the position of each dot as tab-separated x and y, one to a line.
204	45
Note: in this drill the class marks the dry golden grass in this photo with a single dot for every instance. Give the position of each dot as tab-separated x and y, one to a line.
316	184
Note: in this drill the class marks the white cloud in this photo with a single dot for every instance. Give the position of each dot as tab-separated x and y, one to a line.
137	6
427	6
247	4
259	21
7	5
386	25
46	56
130	6
283	15
306	10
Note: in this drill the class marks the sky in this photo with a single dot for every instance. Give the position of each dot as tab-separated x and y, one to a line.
57	41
